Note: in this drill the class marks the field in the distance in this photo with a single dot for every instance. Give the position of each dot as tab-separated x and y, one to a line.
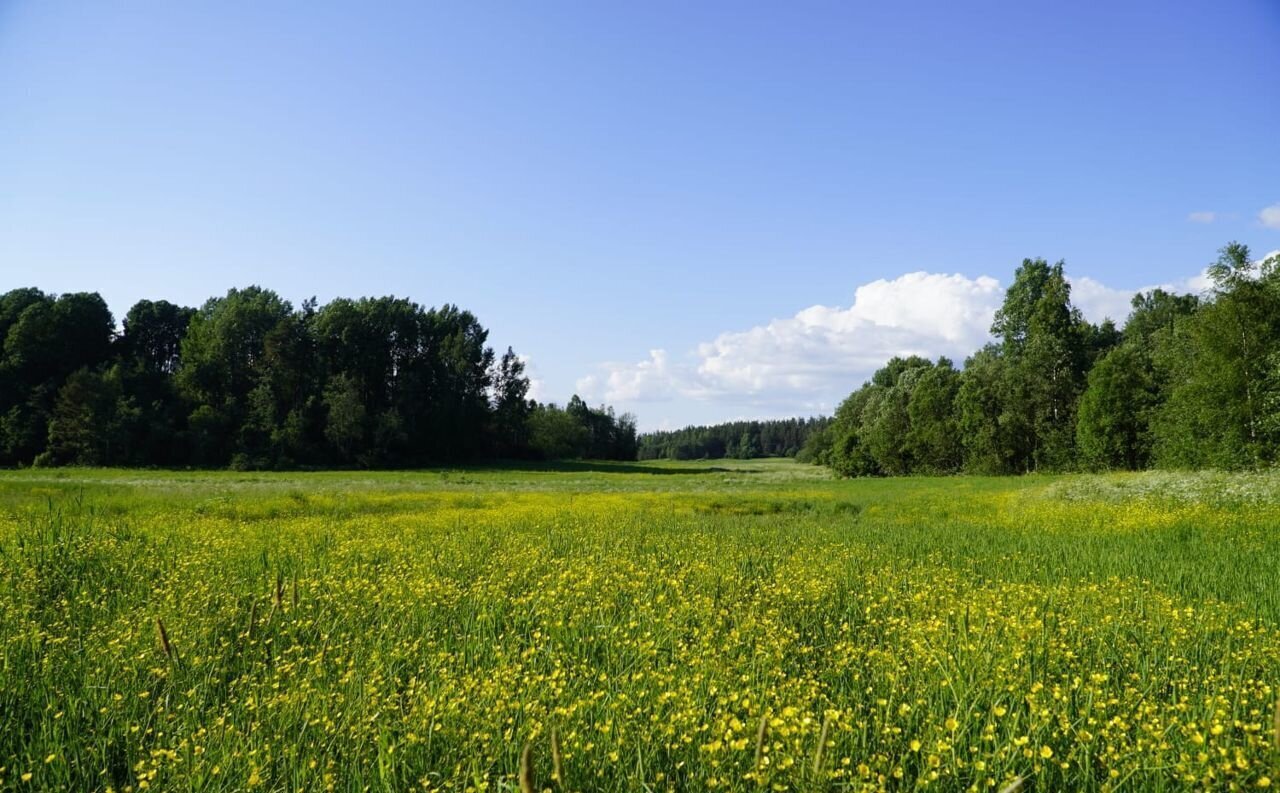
682	626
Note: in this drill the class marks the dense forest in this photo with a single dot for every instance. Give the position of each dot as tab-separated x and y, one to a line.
740	439
249	381
1189	382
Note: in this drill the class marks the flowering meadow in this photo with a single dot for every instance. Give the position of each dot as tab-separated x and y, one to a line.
649	627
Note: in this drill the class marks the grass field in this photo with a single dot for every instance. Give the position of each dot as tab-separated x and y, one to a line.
686	626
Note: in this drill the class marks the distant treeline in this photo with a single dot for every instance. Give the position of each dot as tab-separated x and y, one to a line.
740	439
1189	382
249	381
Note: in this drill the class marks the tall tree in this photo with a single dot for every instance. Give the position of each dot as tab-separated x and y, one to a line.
511	407
933	440
223	361
1041	336
46	339
85	427
1113	430
981	411
1217	413
149	354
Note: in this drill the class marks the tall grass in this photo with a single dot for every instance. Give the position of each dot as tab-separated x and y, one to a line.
750	628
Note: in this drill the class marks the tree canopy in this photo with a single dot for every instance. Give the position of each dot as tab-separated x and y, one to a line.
250	381
1188	382
734	439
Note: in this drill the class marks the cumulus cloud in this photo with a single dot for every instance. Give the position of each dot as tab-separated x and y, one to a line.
1196	284
651	379
1097	301
811	358
1202	217
537	385
808	362
1270	216
917	313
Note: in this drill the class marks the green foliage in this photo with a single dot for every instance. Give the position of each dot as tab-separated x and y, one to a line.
1113	429
933	440
817	446
511	405
1220	371
849	455
886	422
250	381
988	448
556	435
734	439
580	432
43	340
1188	382
1041	336
85	428
396	631
345	417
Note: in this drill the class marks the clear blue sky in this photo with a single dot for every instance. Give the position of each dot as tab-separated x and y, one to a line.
597	180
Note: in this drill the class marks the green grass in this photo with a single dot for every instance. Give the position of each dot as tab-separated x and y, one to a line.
415	630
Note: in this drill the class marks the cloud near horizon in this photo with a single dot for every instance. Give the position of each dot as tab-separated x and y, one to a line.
1202	217
1270	216
810	361
922	313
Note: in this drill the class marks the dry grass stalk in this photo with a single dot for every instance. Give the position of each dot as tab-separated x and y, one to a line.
760	734
164	639
557	771
1275	726
526	769
1013	787
822	743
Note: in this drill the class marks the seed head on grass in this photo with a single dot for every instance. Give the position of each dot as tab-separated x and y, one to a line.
253	617
822	742
526	769
760	735
1014	786
165	646
1275	726
557	771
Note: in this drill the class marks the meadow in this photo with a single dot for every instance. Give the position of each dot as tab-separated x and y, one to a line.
658	626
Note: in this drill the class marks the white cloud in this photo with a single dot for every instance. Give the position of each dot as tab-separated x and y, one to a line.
917	313
808	363
1202	217
1196	284
811	360
648	380
537	386
1270	216
1097	301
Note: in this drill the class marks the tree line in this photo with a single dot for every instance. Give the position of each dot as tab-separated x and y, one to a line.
1189	382
735	439
250	381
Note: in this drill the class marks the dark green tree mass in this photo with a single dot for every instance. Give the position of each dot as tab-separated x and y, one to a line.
250	381
735	439
1188	382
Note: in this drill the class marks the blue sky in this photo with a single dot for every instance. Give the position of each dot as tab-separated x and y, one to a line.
670	206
